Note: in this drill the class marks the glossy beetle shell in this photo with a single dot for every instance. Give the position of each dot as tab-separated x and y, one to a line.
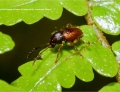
71	34
65	34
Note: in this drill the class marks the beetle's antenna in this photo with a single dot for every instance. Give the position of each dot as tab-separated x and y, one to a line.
34	49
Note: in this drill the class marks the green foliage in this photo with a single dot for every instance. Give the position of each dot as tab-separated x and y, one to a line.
116	49
6	43
106	16
114	87
6	87
31	11
116	46
77	7
45	75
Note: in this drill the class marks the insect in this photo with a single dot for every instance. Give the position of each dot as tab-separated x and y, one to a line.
69	34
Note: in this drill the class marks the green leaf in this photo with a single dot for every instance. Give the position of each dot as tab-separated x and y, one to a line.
6	43
77	7
83	69
98	1
31	11
102	60
106	16
114	87
7	88
37	83
89	34
46	75
116	49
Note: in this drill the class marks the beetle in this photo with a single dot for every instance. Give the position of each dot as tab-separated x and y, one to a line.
69	34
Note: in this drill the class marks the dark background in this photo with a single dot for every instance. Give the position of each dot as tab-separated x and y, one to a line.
28	36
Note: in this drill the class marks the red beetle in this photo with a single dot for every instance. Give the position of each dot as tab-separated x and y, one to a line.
69	34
